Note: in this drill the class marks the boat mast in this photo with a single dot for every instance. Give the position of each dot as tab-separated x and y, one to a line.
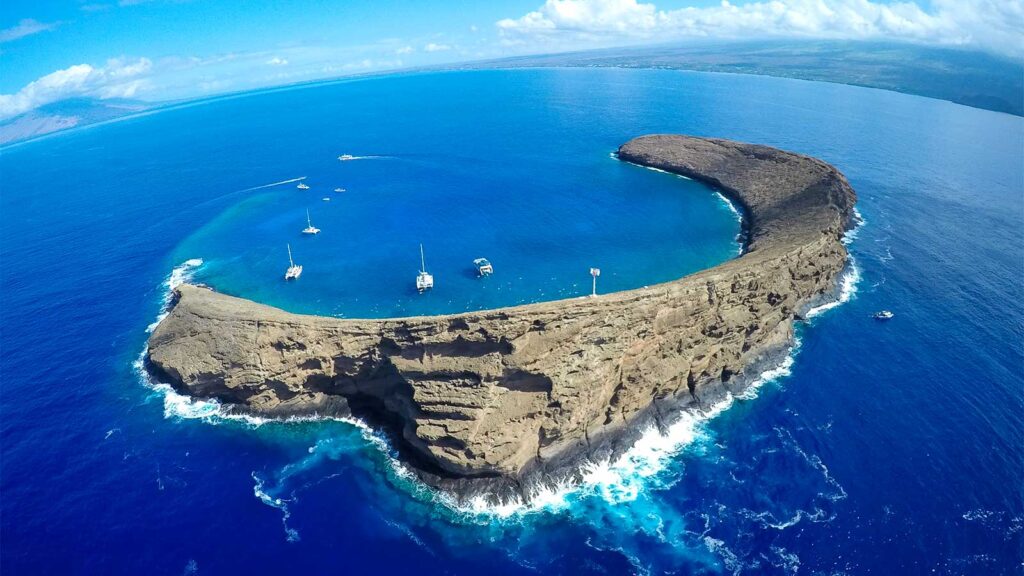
308	223
423	263
290	261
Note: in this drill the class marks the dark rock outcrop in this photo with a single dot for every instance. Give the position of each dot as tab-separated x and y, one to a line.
492	402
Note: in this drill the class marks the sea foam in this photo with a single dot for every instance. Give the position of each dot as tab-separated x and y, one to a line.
850	278
272	184
178	276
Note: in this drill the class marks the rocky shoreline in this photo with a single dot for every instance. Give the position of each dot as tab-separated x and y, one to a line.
497	402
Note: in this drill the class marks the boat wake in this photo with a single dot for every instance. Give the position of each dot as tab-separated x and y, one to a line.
271	185
349	157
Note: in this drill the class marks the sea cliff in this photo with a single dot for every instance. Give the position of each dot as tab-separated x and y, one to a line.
494	402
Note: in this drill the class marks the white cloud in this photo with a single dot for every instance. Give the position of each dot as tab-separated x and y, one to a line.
436	47
26	27
992	25
277	61
405	50
119	78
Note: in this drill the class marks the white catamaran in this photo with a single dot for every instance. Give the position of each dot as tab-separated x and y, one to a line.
424	281
294	271
310	229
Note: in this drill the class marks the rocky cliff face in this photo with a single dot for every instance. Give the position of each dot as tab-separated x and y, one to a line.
492	402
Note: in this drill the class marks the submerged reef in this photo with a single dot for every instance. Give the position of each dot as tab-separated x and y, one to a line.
498	402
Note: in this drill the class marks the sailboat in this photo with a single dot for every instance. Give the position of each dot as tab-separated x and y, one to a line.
424	281
310	229
303	186
294	271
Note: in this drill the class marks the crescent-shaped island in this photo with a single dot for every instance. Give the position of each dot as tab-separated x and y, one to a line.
497	402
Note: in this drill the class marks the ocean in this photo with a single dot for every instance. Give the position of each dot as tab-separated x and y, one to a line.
875	448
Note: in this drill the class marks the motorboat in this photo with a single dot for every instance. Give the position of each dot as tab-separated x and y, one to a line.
483	267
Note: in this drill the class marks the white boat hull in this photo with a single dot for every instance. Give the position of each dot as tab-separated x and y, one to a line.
424	282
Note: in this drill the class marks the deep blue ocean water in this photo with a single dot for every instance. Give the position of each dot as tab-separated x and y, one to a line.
883	448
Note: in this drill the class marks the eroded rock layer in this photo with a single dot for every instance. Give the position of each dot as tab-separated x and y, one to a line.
495	401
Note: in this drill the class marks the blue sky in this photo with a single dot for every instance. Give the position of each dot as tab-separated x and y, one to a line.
200	28
169	49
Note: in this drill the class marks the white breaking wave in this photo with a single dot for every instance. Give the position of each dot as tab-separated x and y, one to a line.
615	156
209	411
774	374
847	289
739	220
178	276
850	278
178	405
732	206
854	232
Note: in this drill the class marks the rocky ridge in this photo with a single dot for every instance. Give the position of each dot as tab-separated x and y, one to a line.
494	402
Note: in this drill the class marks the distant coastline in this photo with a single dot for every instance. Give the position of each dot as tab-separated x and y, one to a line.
969	78
973	79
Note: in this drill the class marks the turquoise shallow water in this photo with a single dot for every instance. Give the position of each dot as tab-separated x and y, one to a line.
882	448
535	189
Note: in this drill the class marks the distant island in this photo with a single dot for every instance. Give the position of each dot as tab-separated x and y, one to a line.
495	403
67	114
